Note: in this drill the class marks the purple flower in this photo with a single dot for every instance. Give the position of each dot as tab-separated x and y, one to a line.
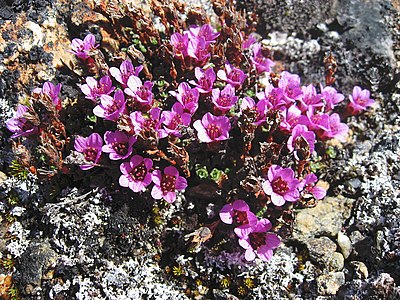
317	122
19	125
52	91
307	186
187	96
359	101
224	100
259	242
231	75
205	79
180	43
290	118
140	92
290	83
165	184
301	142
82	48
147	126
331	97
136	173
111	108
336	129
125	70
174	121
198	49
205	31
310	98
118	144
91	149
281	185
261	63
249	41
260	108
93	89
238	213
274	97
212	128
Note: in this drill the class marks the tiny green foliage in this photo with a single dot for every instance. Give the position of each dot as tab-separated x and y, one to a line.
201	171
331	152
17	170
215	174
178	270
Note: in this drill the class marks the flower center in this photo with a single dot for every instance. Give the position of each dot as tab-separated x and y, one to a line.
234	75
168	183
213	131
139	172
175	122
279	186
120	148
205	83
143	92
257	239
224	101
90	154
241	217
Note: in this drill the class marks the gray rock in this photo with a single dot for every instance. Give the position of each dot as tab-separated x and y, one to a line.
329	284
336	262
326	218
33	264
344	244
321	249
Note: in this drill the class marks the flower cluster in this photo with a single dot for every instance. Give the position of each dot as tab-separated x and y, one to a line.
150	132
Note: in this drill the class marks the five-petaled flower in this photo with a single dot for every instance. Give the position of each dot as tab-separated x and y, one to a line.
82	48
238	213
301	142
118	144
136	173
224	100
259	241
262	63
125	70
307	186
167	183
187	96
281	185
93	89
212	128
110	108
359	100
232	75
205	80
91	147
19	125
52	91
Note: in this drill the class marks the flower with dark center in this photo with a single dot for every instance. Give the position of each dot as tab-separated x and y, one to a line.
224	100
239	214
91	147
259	242
136	173
118	144
167	183
212	128
281	185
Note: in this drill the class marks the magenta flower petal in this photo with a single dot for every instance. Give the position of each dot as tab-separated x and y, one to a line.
226	214
156	192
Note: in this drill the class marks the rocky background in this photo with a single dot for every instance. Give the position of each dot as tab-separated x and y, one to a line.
81	242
